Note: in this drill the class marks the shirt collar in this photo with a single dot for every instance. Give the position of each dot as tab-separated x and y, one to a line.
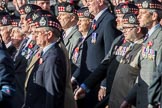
8	44
67	32
153	29
45	49
99	14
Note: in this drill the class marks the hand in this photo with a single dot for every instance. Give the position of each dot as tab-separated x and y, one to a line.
74	84
79	93
101	93
125	104
155	106
107	106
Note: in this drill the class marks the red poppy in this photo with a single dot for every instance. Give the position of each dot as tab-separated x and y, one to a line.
40	60
150	43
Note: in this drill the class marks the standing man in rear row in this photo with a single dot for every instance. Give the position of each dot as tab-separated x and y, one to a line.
96	45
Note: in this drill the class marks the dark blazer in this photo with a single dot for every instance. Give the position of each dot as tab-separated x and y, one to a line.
6	77
21	64
46	89
93	53
11	50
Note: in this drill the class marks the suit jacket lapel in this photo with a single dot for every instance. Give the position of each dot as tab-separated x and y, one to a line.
154	35
67	39
97	23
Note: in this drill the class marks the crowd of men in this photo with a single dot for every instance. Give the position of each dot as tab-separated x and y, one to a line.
81	54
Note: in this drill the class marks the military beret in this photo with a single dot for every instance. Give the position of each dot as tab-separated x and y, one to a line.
27	8
5	20
130	18
84	13
15	22
35	14
126	7
66	7
149	4
45	21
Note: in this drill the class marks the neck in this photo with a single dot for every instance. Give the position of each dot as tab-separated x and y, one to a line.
152	25
99	10
84	34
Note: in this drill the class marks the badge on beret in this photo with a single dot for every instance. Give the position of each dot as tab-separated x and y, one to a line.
86	13
42	22
125	9
4	20
69	8
131	19
145	4
34	16
27	9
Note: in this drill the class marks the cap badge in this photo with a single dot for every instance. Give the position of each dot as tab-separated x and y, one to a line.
4	20
125	10
35	16
131	19
27	9
69	8
145	4
42	22
86	13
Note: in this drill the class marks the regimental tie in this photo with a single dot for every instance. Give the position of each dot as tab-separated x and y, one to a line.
145	38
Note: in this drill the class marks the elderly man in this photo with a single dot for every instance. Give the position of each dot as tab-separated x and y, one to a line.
84	23
5	31
68	18
47	87
119	62
23	54
97	44
7	87
150	57
123	8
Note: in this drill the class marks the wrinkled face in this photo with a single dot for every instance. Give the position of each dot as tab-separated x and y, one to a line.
24	24
83	24
93	6
145	18
41	36
130	32
65	19
16	37
32	31
5	32
119	20
44	4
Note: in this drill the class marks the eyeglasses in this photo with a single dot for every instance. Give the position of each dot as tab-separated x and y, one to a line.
129	28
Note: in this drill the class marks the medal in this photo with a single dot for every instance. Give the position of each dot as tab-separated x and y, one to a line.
94	38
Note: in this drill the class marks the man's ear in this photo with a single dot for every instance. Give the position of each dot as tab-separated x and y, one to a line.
138	29
155	16
50	34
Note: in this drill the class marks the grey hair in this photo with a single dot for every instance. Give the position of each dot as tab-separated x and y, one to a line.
159	12
56	32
